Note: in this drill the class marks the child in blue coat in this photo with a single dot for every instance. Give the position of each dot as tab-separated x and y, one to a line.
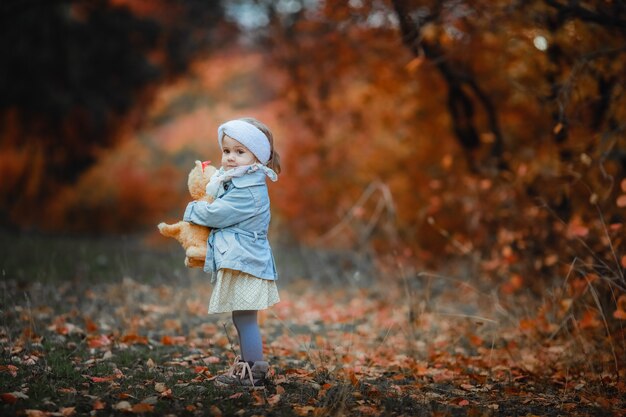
239	256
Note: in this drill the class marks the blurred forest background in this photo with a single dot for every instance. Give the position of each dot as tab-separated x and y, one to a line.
415	134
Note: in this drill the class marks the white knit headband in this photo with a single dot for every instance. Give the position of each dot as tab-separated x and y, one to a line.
249	136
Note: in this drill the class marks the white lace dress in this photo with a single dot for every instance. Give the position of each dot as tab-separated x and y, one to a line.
236	290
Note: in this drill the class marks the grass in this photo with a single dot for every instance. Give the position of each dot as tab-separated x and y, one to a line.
359	352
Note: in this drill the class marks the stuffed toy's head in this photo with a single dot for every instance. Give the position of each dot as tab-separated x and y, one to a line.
199	178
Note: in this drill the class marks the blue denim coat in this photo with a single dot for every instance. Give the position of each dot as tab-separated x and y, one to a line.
240	218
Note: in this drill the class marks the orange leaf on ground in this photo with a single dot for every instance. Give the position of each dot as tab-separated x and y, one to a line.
98	405
36	413
576	228
173	340
368	411
8	398
98	341
99	379
514	283
142	408
620	312
90	326
67	411
259	399
12	369
200	369
274	399
476	341
589	320
304	410
134	339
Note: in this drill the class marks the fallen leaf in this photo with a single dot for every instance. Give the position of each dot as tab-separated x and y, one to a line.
304	410
215	411
67	411
259	399
620	312
273	399
12	369
67	390
98	341
141	408
173	340
8	397
211	360
589	320
123	406
98	405
160	387
368	411
99	379
36	413
90	326
576	228
134	339
150	400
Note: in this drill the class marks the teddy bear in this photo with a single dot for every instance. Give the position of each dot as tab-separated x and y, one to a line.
193	237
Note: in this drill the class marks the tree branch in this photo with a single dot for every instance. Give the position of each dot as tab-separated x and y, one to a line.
572	10
460	104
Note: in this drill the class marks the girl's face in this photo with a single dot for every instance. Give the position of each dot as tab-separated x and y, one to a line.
234	154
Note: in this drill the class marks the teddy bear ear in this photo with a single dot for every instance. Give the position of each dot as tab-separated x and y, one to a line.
198	164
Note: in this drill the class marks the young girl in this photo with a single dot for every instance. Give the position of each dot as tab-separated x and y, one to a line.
239	256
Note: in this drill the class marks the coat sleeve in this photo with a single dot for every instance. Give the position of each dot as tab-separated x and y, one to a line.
234	207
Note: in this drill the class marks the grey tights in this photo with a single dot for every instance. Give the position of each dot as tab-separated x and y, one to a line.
249	335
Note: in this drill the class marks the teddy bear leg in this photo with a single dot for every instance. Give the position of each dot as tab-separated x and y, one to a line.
196	252
194	262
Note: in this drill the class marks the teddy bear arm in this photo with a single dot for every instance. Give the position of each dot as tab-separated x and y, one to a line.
170	230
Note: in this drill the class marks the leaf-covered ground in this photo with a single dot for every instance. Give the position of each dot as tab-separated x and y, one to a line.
432	345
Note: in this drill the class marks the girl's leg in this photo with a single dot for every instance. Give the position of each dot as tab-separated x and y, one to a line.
249	335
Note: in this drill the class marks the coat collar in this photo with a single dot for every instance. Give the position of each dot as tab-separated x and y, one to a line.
250	179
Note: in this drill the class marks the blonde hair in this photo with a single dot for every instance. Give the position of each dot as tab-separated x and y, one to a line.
274	161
